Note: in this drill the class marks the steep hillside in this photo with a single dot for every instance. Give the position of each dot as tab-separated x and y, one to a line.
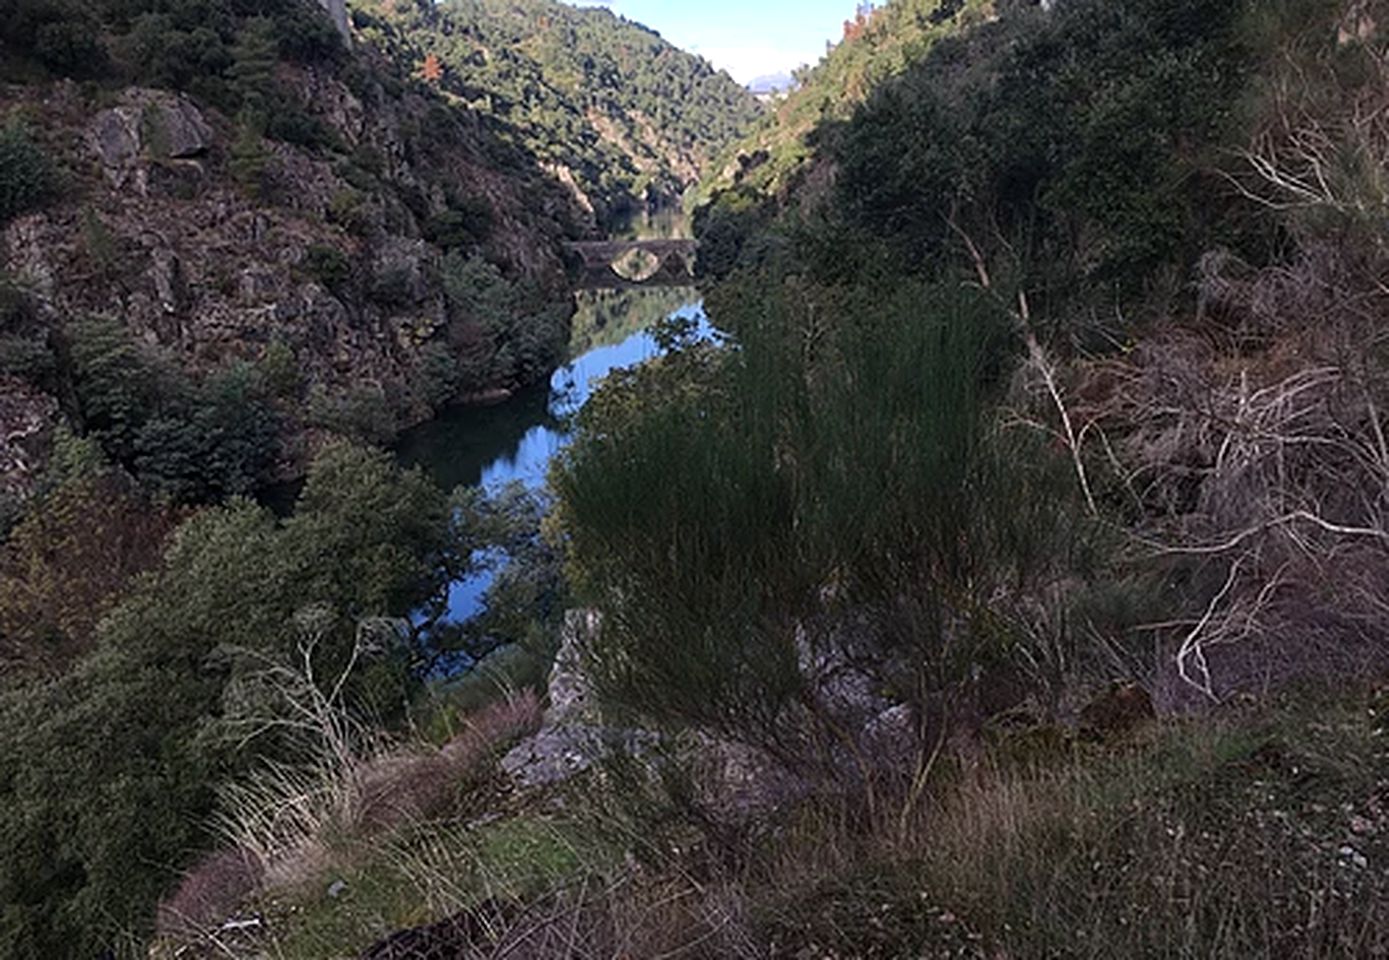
616	112
878	44
247	204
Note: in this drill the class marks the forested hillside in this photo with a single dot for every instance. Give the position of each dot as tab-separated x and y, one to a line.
226	235
623	117
229	242
1004	579
878	43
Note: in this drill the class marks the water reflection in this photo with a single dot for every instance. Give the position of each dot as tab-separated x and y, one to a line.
515	441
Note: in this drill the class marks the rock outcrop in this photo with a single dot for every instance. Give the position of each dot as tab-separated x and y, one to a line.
337	10
157	228
572	737
149	125
27	419
735	782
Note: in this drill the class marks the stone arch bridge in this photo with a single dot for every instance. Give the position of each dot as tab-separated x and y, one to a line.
674	259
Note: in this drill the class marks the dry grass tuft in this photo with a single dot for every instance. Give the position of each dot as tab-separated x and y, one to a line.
208	894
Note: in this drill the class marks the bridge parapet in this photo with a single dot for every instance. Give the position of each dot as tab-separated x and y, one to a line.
600	257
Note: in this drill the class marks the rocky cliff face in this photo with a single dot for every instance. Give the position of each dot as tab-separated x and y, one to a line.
155	228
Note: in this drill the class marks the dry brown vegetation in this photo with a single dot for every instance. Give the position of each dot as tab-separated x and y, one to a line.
293	824
1248	446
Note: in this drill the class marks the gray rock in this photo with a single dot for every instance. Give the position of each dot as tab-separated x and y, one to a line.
571	738
170	285
337	10
734	782
402	261
187	133
27	419
116	143
554	755
571	692
148	125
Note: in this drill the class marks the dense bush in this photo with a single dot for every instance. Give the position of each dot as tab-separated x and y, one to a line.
26	348
195	441
510	330
362	413
1078	132
62	35
712	501
329	266
464	226
27	177
107	776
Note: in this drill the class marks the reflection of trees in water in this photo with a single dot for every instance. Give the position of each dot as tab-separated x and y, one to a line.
606	317
665	223
458	446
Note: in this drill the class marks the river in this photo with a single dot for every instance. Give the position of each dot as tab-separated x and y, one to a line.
516	440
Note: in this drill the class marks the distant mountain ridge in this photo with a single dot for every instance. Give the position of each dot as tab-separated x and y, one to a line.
772	83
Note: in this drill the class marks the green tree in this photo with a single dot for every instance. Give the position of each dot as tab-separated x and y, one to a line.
27	179
252	72
250	158
108	774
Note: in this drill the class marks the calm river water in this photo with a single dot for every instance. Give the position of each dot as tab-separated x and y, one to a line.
515	440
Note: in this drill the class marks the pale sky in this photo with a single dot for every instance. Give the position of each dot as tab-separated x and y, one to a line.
748	39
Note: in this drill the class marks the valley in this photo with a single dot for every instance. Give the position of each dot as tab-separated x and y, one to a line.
478	482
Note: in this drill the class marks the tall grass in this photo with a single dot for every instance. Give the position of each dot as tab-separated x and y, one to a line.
1252	836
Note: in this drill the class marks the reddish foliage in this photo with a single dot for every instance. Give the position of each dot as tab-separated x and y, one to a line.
432	70
853	29
70	561
209	893
400	787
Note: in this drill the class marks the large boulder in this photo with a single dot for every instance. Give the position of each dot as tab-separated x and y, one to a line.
735	783
148	125
572	737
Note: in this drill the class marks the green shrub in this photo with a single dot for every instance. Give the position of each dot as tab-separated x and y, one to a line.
349	210
195	442
292	124
250	159
361	413
71	45
27	177
711	499
220	441
179	54
280	371
1078	135
107	776
28	358
329	266
438	378
464	226
117	383
393	286
26	350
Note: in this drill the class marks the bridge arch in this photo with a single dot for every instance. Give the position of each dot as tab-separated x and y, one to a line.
670	261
